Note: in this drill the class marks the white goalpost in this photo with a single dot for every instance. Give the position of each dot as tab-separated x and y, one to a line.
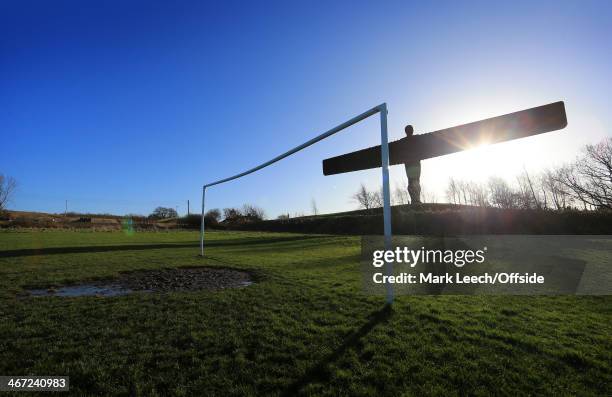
384	144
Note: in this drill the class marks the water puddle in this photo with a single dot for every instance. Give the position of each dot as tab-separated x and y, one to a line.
160	280
82	290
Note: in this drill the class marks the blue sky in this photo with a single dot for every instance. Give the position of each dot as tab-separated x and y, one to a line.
121	106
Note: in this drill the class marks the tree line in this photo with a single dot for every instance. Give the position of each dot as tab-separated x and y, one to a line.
233	215
585	183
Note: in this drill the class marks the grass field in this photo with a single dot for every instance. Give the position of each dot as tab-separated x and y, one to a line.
305	327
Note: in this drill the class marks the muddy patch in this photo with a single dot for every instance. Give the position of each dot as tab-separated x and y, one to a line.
163	280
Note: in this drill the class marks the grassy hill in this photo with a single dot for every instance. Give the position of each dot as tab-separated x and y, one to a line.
71	220
424	219
444	219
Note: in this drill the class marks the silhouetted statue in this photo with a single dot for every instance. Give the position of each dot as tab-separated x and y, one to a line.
413	172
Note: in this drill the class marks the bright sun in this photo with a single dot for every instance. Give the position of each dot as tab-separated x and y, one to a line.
506	159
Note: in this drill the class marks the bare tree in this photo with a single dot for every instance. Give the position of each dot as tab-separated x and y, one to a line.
533	187
526	195
452	191
501	193
589	178
163	213
7	189
466	192
400	196
313	206
253	212
428	196
555	194
231	214
248	213
377	198
364	198
212	217
463	188
477	194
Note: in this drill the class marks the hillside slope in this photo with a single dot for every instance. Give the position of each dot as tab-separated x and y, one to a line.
444	219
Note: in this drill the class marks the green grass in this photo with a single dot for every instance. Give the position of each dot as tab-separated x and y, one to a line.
304	328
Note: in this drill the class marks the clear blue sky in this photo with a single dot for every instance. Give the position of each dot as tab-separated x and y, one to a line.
120	106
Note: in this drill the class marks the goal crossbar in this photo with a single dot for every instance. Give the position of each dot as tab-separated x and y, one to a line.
384	144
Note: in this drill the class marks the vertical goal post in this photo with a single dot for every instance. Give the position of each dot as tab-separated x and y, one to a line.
384	152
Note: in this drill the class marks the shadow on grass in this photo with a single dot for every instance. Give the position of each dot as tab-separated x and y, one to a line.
319	371
136	247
